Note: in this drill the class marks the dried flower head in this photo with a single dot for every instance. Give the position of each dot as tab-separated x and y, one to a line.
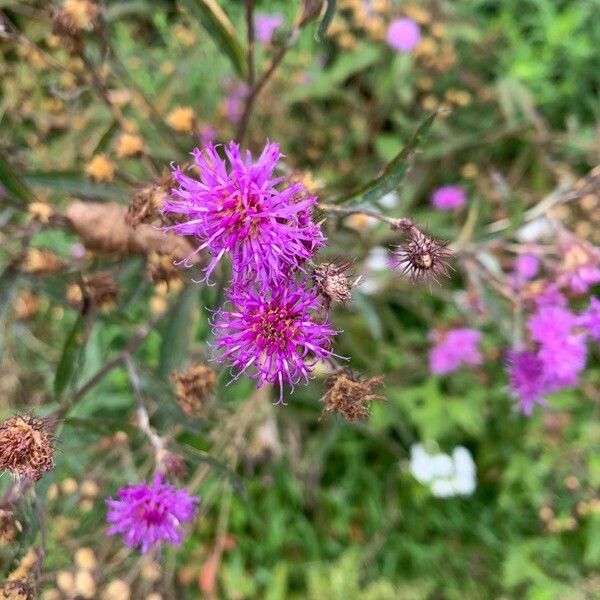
172	464
193	388
161	271
146	205
41	261
129	145
17	589
101	168
332	283
41	212
83	13
26	446
98	289
9	526
423	256
181	119
350	394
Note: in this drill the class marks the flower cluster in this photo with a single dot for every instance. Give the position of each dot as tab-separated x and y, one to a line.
457	348
557	353
273	325
148	515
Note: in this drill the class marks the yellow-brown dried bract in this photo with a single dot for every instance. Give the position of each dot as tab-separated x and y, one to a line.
193	388
82	13
129	144
101	168
350	395
41	261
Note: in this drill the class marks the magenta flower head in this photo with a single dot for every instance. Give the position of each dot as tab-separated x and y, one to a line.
238	208
448	197
265	26
527	379
274	336
403	35
149	515
458	347
526	266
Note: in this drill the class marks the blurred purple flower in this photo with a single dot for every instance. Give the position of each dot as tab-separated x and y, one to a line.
148	515
236	208
207	134
527	379
590	319
265	25
563	361
234	100
448	197
551	324
526	266
459	347
275	334
583	278
550	296
403	35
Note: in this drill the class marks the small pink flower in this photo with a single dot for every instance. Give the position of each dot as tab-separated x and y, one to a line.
448	197
266	25
459	347
403	35
526	266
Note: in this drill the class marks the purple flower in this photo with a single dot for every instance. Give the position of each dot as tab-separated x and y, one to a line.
526	266
563	361
207	134
527	379
275	335
459	347
590	319
551	325
403	35
234	100
265	25
448	197
550	296
240	209
148	515
583	278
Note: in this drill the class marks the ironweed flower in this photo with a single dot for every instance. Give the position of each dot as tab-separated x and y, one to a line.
448	197
590	319
527	379
26	446
403	35
240	209
274	334
458	347
148	515
265	25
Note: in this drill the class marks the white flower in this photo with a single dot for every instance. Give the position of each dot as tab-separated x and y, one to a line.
445	475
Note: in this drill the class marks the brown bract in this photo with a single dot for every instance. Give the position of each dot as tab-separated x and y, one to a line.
26	447
350	394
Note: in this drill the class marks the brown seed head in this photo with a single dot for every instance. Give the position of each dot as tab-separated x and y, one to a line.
332	283
9	526
423	256
161	270
17	589
147	203
193	388
26	447
349	394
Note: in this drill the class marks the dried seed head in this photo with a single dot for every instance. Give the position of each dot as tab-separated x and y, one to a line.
99	289
423	256
161	271
16	589
173	464
349	394
26	447
9	526
332	283
147	203
40	261
193	388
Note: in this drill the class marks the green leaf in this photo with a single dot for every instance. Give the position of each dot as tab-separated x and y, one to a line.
74	184
178	332
8	284
393	173
220	28
14	185
70	356
326	20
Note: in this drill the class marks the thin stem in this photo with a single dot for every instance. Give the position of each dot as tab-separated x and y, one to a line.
400	223
249	4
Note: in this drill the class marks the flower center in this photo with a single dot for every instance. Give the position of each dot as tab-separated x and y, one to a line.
275	326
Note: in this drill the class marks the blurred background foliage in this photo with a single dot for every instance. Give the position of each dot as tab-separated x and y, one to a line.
294	505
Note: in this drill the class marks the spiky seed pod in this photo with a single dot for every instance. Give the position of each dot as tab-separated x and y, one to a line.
423	256
26	447
146	205
193	388
332	283
350	394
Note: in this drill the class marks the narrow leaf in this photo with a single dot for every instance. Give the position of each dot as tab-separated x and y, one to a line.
220	28
326	20
14	185
394	172
76	185
70	357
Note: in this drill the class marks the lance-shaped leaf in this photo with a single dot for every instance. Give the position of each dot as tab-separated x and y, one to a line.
220	28
393	174
325	21
13	184
76	185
